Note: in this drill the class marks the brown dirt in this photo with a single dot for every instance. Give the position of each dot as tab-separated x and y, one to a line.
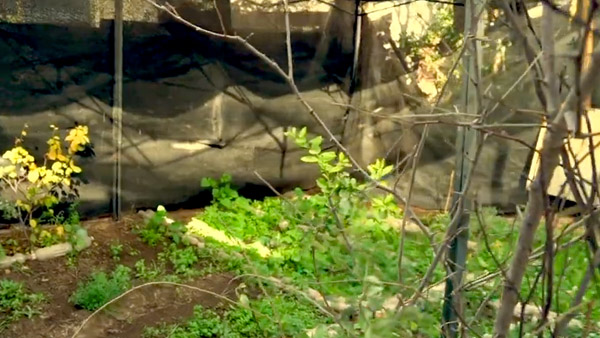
128	317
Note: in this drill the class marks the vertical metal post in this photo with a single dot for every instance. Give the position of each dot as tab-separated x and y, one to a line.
117	108
465	142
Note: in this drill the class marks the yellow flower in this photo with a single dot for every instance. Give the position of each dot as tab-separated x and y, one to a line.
32	223
60	230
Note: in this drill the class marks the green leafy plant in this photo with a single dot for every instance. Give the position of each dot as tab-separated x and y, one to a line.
183	259
204	323
339	233
101	288
157	230
146	272
116	249
16	302
67	227
133	252
439	38
9	210
344	241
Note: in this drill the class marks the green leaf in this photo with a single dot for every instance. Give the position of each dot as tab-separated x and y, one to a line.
206	182
414	326
388	169
302	133
309	159
328	156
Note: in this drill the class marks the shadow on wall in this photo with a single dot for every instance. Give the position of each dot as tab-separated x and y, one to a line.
173	81
41	65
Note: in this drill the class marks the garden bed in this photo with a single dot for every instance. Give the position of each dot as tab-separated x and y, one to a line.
340	262
58	278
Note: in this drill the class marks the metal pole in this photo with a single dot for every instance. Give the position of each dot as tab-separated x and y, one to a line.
117	108
465	141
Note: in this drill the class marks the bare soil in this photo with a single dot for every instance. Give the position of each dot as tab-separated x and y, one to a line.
128	317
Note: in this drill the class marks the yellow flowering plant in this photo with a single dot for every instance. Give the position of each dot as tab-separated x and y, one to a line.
39	186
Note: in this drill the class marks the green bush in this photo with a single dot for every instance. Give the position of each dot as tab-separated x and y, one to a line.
101	288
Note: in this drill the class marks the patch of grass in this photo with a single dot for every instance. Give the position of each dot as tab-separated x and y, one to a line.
274	317
101	288
16	302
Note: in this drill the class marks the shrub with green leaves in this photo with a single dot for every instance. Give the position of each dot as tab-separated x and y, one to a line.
16	302
102	288
338	236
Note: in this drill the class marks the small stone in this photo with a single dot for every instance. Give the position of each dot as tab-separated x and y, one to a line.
472	245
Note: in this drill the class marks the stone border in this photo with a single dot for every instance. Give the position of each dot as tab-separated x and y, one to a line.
44	254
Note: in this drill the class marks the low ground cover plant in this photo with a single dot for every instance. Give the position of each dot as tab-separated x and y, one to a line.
101	288
17	302
342	243
292	315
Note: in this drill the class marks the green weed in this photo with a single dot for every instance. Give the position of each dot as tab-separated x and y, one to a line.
157	231
16	302
148	273
101	288
116	249
255	320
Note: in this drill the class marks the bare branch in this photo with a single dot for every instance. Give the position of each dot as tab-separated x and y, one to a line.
549	160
